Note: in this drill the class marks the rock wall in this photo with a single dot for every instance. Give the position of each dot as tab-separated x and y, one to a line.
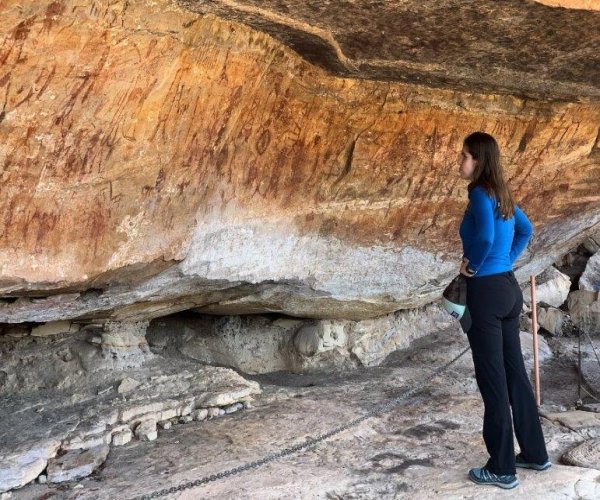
572	4
156	159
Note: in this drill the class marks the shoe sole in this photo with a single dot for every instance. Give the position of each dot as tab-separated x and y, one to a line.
533	466
506	486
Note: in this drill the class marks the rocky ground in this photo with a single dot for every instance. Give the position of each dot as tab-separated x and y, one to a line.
422	449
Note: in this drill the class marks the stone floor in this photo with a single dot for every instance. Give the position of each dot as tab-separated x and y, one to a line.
422	449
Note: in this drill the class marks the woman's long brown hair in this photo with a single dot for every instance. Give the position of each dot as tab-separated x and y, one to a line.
488	170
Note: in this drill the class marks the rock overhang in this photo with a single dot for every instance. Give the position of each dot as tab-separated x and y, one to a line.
181	160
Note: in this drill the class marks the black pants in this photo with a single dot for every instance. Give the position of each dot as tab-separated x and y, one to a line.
494	303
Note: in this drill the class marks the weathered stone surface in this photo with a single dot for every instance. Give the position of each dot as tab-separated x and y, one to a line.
201	414
213	412
48	403
590	371
124	344
121	435
595	407
544	350
87	436
551	287
146	430
320	336
253	343
587	423
156	159
121	438
551	319
592	243
258	344
128	384
54	328
76	464
584	308
587	454
375	339
19	466
165	424
234	407
590	279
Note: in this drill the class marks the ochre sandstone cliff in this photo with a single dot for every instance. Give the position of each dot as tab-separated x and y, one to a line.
230	158
572	4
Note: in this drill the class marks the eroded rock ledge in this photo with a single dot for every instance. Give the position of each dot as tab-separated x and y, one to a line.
60	416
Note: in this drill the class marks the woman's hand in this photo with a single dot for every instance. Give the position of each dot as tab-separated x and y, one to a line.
463	267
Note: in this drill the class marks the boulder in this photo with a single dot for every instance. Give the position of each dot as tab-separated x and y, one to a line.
317	337
122	436
128	384
586	423
22	464
587	454
551	287
544	350
75	464
551	319
590	279
584	309
525	323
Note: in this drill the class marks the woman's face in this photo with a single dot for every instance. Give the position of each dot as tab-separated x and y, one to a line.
466	164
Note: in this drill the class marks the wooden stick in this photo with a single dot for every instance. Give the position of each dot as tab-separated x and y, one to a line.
534	328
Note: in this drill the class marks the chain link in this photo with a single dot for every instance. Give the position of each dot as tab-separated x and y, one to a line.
310	442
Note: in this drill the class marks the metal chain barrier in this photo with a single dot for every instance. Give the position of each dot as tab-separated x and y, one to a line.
382	408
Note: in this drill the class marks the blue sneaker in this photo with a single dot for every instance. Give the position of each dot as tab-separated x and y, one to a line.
481	475
519	462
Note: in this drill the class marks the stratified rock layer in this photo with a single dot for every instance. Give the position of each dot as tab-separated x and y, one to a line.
60	398
156	159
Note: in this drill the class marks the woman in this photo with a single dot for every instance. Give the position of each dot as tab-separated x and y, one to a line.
494	232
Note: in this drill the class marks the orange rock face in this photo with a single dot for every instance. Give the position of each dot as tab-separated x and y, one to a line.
572	4
145	145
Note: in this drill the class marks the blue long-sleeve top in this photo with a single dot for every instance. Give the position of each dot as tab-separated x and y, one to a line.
491	243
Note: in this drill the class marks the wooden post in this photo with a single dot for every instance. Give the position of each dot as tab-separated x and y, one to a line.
534	328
